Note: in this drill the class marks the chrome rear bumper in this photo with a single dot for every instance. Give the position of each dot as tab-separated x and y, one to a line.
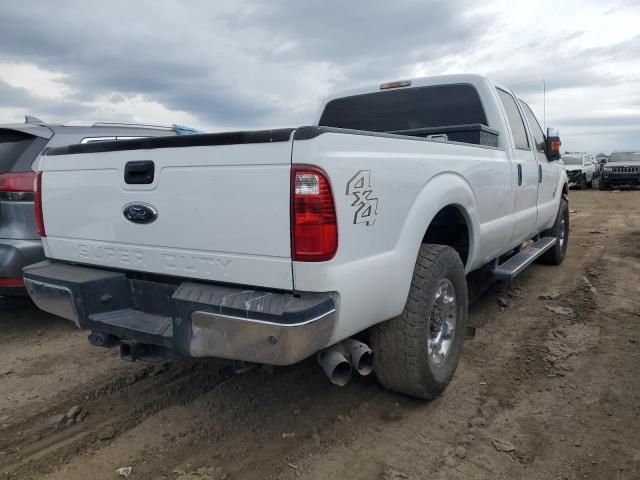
224	336
53	299
190	319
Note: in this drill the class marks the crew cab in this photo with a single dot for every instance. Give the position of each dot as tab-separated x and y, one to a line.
581	169
353	239
623	168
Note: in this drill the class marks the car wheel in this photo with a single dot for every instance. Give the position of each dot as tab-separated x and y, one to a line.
602	185
417	352
560	230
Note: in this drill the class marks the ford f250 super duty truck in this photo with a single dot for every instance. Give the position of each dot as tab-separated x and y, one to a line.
352	239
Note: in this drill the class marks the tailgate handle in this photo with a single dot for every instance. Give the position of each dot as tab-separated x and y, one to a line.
139	173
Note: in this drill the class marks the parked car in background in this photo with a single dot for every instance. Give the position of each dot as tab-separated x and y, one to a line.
596	166
271	246
601	158
623	168
599	164
20	149
580	168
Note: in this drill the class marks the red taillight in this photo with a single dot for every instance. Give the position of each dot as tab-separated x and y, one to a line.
17	182
314	227
11	282
37	205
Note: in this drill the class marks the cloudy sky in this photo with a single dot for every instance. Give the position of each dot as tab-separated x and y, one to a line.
249	64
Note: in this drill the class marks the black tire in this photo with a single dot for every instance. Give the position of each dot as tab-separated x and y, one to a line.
590	184
401	356
555	255
602	185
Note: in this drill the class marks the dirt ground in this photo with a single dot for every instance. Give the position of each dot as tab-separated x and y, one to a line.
538	395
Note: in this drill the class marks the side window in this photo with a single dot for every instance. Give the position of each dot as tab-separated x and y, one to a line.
515	120
536	131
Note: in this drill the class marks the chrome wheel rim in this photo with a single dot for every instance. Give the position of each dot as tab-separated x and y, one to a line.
561	234
442	321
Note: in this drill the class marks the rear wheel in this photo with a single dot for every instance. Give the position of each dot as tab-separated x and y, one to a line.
417	352
560	230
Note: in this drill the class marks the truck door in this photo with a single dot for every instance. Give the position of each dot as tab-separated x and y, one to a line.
548	173
525	171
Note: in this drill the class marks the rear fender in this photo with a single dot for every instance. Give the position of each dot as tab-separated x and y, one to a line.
439	192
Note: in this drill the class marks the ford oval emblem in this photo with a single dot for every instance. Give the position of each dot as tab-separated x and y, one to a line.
140	213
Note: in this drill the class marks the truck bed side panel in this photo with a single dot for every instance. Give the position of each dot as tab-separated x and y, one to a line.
408	182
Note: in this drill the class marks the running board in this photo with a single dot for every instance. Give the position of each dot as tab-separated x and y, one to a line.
523	259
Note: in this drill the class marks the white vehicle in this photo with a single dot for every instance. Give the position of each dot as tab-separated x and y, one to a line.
581	169
272	246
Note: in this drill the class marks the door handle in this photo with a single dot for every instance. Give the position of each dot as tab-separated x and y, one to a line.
519	174
139	173
539	173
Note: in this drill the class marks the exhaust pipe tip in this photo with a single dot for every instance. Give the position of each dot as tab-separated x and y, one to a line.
361	356
364	363
335	366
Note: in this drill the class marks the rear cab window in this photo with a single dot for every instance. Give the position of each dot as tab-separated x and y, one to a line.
406	109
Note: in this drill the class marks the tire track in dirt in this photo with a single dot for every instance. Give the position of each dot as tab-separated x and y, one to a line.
120	405
290	423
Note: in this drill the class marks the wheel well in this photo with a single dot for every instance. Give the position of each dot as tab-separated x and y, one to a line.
449	227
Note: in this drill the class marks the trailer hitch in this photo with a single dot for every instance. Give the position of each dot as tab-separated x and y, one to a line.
131	351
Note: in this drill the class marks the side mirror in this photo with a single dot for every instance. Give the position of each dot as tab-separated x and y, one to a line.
552	146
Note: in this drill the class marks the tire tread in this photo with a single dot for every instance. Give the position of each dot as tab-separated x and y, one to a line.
399	343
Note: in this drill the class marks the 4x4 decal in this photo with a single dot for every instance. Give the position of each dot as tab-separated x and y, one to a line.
359	187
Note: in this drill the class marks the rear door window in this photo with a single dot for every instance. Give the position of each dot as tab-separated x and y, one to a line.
18	150
406	109
516	122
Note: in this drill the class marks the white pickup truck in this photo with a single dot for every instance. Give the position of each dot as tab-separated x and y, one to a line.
272	246
580	168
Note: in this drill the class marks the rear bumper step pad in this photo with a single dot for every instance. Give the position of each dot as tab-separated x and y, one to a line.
187	318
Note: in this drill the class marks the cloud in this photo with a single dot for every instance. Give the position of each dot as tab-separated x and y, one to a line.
252	64
18	97
233	65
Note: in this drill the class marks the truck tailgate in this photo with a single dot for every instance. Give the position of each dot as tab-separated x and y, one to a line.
222	209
